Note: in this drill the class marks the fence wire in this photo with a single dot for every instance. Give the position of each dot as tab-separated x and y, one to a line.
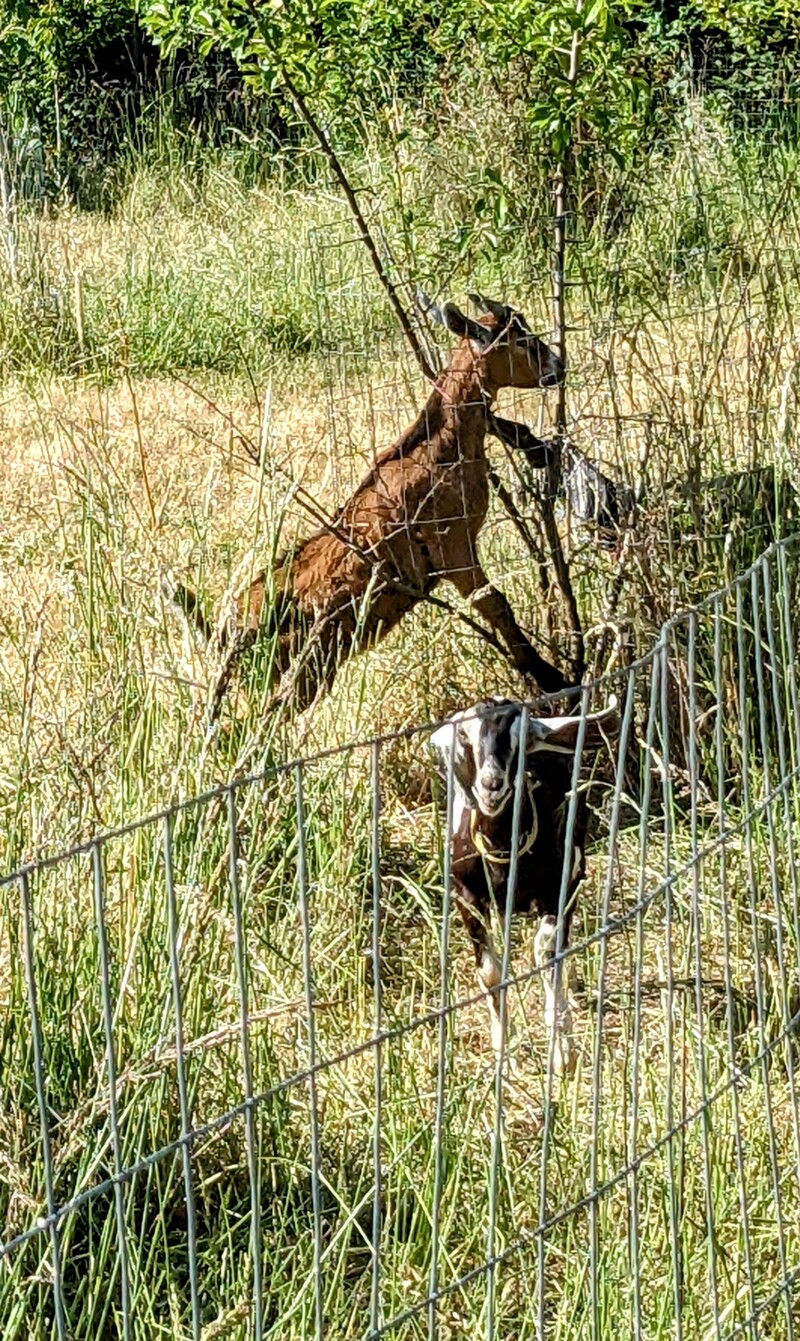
682	390
341	1155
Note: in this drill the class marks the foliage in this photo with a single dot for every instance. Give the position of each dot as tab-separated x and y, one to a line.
748	24
84	80
575	69
343	53
60	34
88	79
48	50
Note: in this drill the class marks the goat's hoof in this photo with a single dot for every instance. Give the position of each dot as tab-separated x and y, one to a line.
565	1056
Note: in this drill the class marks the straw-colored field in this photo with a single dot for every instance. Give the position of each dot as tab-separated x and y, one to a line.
109	477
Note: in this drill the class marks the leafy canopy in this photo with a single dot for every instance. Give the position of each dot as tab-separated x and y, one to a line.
342	54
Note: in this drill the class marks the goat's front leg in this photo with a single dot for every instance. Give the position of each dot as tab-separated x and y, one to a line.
488	966
490	975
557	1013
538	451
474	585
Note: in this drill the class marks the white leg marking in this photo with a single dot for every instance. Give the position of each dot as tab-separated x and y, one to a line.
557	1014
490	973
577	858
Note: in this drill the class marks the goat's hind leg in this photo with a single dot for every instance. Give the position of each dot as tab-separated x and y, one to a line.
557	1013
239	644
473	584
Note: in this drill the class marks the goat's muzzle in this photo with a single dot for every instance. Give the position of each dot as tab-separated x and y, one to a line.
492	789
491	801
555	374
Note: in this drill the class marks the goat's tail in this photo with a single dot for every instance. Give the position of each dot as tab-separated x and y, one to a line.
189	602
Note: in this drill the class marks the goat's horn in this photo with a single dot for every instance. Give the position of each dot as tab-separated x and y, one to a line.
498	310
430	309
424	303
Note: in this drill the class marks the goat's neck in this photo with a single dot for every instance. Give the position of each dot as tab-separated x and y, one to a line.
464	384
460	404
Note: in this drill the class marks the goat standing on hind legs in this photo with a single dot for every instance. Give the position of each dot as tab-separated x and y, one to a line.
413	521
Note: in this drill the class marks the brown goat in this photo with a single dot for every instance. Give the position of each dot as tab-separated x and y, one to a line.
412	521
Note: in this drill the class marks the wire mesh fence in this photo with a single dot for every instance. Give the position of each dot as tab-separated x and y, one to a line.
248	1085
681	351
342	1154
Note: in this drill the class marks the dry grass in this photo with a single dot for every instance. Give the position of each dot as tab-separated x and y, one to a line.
102	701
101	726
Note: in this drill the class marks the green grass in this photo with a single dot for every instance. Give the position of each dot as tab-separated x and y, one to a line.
122	451
193	270
338	814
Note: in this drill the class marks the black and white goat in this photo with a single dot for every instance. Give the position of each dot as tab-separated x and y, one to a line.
481	744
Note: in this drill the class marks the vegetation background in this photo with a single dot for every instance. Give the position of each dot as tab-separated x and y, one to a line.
182	291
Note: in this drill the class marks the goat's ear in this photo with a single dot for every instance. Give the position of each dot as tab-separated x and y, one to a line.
454	319
449	751
560	734
459	324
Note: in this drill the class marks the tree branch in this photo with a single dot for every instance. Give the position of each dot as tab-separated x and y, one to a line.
355	209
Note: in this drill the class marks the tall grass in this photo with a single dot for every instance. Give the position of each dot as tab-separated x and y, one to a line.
652	1047
138	352
195	270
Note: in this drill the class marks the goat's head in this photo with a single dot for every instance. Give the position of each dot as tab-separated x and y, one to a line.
510	353
483	742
